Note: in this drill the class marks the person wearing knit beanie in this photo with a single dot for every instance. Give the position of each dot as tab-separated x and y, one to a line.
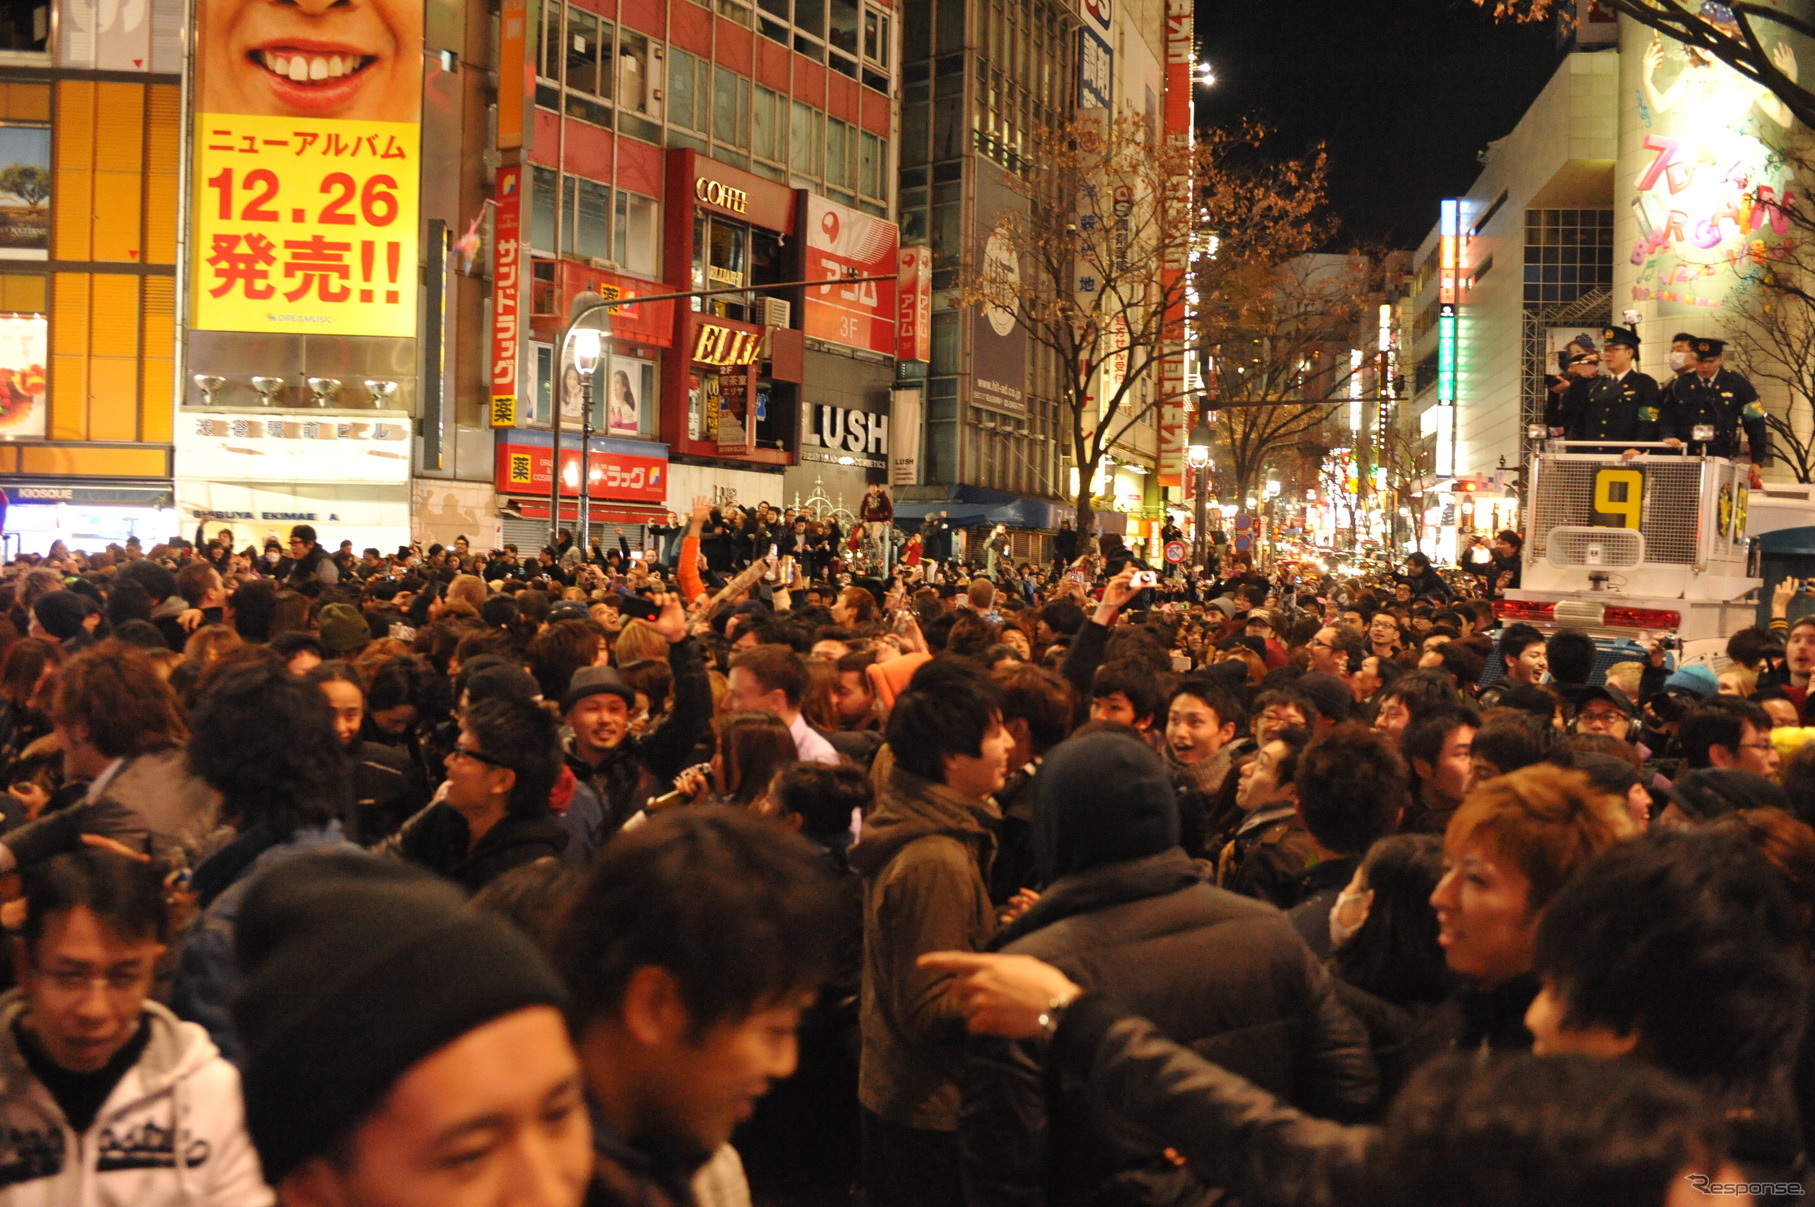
397	1044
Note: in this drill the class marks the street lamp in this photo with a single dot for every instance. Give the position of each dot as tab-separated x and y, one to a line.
586	361
584	305
1197	454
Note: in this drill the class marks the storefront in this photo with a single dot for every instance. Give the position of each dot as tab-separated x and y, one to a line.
627	490
84	515
844	428
734	392
345	473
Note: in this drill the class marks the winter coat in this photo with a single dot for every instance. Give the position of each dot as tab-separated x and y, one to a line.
154	804
437	839
207	973
1225	976
171	1134
924	857
630	773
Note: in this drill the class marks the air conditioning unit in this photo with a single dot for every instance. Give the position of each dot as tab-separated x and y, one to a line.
774	312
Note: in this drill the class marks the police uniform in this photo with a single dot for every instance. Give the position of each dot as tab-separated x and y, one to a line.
1614	410
1726	402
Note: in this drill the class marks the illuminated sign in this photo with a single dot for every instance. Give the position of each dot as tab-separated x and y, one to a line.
716	345
1354	389
1446	354
507	301
721	195
1449	226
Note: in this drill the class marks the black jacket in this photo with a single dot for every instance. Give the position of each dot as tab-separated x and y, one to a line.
437	839
625	778
1223	975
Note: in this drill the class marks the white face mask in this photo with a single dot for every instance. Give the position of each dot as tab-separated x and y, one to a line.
1339	933
1678	361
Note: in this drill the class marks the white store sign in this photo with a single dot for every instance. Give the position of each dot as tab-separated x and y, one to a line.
293	447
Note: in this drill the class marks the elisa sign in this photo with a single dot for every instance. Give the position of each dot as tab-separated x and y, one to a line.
721	195
716	345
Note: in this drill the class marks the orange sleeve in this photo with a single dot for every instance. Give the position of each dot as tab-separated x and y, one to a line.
689	569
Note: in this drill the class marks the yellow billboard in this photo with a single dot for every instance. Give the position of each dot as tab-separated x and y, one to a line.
306	167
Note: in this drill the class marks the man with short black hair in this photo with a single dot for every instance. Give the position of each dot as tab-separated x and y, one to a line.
692	952
1437	747
1270	851
1728	732
1570	654
491	813
1523	656
1351	792
106	1097
922	855
310	566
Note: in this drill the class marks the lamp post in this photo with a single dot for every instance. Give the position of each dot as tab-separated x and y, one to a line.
1197	454
585	303
586	342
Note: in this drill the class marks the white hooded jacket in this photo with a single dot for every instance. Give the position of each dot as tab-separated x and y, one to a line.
171	1134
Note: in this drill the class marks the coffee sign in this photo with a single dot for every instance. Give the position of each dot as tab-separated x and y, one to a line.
724	196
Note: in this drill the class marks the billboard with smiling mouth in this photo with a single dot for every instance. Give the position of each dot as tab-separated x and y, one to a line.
306	166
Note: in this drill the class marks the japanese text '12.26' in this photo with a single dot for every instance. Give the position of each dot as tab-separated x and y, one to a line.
305	225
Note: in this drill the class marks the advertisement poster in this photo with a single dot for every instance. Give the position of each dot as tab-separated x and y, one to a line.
998	341
844	243
1701	167
306	167
25	188
629	384
507	296
915	338
24	347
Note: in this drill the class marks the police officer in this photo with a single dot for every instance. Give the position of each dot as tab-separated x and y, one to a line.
1721	399
1620	409
1579	368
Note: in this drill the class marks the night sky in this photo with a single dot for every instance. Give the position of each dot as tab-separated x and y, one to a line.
1405	93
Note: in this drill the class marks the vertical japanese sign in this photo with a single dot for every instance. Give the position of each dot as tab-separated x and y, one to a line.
843	243
1181	35
516	72
915	338
306	167
507	300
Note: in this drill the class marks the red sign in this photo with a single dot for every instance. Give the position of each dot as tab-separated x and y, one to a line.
507	297
642	323
843	243
524	470
914	339
1175	552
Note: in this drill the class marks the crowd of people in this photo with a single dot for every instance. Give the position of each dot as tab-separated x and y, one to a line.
705	874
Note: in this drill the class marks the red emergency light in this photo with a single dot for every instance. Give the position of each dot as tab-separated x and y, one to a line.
1641	618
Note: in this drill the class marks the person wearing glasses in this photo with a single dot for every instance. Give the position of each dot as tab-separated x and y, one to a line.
491	813
1730	733
108	1097
309	566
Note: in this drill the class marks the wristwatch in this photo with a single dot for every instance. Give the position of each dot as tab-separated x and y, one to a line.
1054	1013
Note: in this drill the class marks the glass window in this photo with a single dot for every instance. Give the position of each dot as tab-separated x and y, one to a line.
730	107
542	186
634	91
591	217
685	105
700	224
582	51
803	139
775	8
875	36
843	27
810	17
548	45
25	25
838	154
767	126
736	10
637	234
872	167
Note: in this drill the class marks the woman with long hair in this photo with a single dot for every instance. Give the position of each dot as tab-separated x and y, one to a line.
751	748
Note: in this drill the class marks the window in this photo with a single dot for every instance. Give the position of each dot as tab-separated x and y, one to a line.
803	139
876	37
768	142
25	25
873	167
686	90
730	107
838	154
721	261
637	231
542	186
586	217
635	94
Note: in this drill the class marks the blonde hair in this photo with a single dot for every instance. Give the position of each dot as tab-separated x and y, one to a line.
1546	821
637	641
466	588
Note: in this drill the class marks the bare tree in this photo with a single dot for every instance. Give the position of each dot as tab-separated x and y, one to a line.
1406	458
1120	222
1751	43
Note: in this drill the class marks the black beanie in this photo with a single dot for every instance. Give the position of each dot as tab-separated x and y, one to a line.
61	613
354	969
1102	798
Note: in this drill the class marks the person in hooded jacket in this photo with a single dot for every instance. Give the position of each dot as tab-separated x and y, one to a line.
924	857
107	1099
1222	974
